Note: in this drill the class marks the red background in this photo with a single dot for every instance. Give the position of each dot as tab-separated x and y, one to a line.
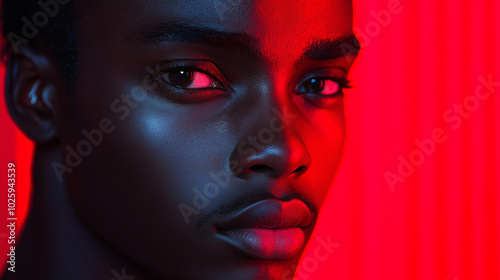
443	221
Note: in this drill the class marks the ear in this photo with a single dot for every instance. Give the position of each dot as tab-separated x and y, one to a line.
31	91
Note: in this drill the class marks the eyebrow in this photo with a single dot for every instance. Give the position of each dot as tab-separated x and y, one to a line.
332	48
183	32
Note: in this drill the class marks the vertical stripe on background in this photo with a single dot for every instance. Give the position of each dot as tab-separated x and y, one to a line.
24	154
491	224
455	80
429	98
474	208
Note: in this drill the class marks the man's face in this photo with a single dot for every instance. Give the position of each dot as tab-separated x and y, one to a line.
222	126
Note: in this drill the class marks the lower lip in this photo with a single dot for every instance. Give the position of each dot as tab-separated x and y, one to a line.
267	244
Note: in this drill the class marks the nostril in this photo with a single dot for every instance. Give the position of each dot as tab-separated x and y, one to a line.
259	168
300	169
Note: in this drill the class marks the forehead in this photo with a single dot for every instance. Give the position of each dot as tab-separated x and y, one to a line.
283	27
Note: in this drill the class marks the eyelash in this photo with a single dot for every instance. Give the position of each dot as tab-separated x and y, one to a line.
189	68
341	80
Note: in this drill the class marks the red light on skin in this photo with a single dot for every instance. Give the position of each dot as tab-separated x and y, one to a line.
285	45
268	230
268	244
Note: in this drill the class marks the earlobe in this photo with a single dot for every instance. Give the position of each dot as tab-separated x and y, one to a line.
31	95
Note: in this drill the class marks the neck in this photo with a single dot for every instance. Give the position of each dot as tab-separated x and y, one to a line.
55	244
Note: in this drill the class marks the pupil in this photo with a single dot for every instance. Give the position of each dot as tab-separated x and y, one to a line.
181	78
315	85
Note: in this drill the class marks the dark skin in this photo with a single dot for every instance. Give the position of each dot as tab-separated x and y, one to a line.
206	102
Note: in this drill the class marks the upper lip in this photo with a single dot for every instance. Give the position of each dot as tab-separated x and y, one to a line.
269	214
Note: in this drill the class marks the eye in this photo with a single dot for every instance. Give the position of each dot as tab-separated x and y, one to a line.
323	86
189	81
185	78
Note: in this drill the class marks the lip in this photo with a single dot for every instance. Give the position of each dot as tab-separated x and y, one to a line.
269	229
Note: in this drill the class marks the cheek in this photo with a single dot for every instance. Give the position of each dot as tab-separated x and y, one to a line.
151	162
132	183
325	141
140	174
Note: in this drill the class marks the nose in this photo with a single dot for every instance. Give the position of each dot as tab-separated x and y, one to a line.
273	148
